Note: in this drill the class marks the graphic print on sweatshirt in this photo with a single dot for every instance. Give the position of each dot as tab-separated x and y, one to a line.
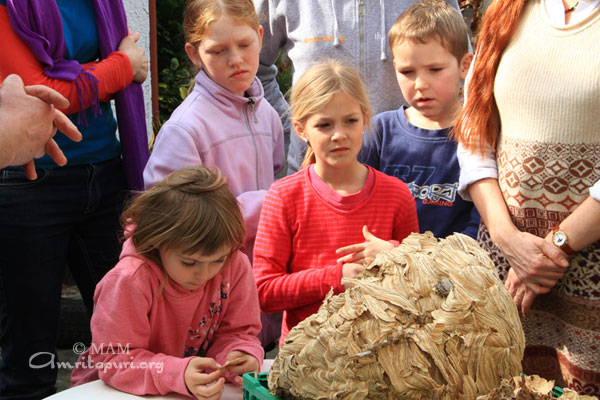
201	336
324	39
329	38
417	177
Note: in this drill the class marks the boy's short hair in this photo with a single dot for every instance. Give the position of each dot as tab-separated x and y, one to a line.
432	19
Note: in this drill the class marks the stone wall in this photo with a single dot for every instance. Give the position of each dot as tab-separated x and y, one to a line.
138	12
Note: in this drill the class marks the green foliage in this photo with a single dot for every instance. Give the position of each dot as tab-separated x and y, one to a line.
284	73
174	85
169	21
175	72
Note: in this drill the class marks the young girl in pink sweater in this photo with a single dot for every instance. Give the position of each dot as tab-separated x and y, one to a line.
328	205
182	300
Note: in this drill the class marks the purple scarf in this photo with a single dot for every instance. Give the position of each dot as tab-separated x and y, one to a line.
39	24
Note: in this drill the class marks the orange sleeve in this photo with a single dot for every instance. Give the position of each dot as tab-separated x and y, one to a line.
114	72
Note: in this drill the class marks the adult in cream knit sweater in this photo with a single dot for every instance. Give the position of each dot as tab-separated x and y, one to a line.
532	112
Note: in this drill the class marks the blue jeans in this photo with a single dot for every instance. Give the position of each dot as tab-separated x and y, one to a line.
68	217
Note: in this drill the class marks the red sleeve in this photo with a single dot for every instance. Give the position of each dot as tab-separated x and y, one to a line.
114	72
279	289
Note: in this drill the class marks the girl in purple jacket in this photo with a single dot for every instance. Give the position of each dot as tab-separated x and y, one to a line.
225	121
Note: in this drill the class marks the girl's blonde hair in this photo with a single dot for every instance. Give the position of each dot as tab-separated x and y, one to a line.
479	122
199	14
192	210
316	88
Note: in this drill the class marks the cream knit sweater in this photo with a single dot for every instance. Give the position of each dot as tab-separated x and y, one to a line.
547	89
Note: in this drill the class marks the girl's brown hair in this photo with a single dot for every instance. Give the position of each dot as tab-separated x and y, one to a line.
479	122
199	14
317	86
191	210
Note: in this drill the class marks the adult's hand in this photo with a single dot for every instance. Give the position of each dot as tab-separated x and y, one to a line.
137	56
28	122
521	293
535	261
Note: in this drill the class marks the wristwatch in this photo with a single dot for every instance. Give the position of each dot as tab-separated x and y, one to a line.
560	240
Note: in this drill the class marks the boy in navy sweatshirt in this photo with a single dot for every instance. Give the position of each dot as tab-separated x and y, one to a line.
430	45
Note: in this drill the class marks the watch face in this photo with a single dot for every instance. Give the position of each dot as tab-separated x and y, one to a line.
559	238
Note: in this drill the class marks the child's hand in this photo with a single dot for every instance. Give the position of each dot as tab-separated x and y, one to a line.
244	362
364	253
351	270
203	385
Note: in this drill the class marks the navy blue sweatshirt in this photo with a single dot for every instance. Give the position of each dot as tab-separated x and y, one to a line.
426	161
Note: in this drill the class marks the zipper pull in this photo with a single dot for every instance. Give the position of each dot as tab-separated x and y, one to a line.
252	104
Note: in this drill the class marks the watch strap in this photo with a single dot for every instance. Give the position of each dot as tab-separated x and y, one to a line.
565	246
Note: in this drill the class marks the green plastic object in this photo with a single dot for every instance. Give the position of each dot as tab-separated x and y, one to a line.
255	388
557	392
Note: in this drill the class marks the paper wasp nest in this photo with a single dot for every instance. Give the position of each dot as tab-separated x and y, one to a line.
427	320
531	388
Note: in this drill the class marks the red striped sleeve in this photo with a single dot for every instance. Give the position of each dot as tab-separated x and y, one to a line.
280	287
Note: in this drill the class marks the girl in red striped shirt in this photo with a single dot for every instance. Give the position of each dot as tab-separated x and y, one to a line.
327	205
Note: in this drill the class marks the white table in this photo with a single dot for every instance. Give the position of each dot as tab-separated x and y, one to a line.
98	390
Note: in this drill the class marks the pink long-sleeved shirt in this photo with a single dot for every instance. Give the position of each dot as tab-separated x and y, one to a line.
145	329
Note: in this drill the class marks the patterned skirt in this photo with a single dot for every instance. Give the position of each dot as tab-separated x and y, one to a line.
562	333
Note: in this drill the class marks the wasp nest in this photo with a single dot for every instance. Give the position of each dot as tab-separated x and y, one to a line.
531	388
426	320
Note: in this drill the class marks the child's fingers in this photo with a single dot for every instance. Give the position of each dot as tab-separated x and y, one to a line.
353	248
200	378
238	380
356	258
249	365
209	391
346	259
203	363
209	378
232	361
368	235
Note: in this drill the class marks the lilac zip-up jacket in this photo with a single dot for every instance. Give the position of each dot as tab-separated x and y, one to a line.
242	136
